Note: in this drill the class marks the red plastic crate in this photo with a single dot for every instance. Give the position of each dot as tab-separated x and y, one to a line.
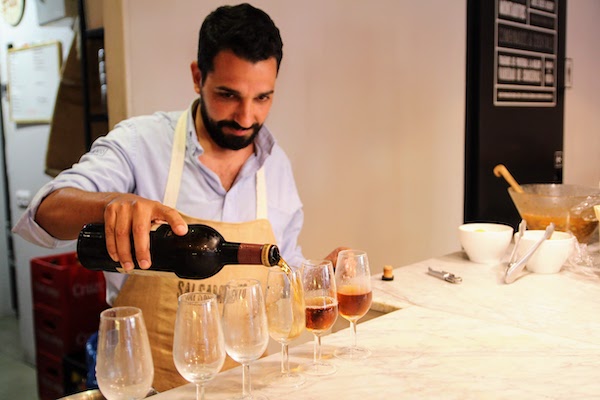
60	333
50	376
60	282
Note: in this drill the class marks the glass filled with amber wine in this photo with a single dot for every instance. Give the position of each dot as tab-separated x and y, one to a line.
354	296
321	309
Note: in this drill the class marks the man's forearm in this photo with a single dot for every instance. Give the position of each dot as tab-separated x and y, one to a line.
64	212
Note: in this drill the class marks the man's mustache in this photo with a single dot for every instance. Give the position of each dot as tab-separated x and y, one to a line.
235	125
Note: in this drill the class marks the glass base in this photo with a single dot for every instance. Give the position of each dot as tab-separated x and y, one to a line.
352	353
281	380
319	368
252	396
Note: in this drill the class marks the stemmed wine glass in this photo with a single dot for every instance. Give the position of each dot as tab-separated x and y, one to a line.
124	367
321	309
285	313
198	344
245	327
353	280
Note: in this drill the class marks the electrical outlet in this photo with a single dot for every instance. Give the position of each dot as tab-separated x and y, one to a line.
568	72
23	198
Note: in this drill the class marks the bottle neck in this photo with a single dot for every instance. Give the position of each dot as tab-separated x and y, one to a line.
249	253
270	255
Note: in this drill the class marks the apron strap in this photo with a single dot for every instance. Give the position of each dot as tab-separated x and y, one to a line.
261	194
177	161
176	170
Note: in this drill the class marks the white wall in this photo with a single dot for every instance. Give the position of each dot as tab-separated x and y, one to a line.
369	106
26	154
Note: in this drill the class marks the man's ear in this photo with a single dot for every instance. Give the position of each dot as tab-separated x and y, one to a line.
196	76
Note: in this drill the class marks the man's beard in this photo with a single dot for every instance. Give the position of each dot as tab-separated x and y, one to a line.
222	139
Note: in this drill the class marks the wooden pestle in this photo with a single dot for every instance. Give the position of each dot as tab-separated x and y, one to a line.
500	170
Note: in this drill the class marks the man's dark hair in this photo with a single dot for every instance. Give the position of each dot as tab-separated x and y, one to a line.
245	30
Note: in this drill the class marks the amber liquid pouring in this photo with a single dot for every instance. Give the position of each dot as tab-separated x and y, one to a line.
284	266
298	322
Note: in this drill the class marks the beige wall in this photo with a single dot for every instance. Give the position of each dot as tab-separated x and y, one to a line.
370	108
582	100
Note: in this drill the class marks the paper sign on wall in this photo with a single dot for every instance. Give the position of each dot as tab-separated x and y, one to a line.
33	79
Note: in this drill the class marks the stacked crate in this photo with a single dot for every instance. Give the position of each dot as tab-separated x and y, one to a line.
67	301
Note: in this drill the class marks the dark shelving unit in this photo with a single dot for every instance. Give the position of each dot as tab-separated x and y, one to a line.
94	108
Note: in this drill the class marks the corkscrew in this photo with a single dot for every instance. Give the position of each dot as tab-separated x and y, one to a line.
446	276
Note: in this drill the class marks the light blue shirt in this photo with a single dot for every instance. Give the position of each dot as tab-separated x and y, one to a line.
135	157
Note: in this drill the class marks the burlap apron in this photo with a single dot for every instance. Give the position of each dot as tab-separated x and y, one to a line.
157	296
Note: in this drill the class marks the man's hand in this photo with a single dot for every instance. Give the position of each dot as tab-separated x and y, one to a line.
63	212
128	214
333	255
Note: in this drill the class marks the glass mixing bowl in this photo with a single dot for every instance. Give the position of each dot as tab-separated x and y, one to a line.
570	207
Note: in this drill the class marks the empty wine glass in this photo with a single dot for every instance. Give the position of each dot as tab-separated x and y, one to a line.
124	367
198	344
353	281
245	327
285	313
321	307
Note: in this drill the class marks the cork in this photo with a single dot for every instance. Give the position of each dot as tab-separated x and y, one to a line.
388	273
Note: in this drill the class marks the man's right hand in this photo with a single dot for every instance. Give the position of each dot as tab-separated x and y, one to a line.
65	211
128	214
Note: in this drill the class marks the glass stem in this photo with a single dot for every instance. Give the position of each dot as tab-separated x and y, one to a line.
199	392
353	325
317	352
285	359
246	384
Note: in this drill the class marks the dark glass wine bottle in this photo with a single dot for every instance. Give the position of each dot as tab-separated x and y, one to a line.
199	254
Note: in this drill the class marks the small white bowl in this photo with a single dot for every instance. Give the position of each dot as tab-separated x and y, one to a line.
485	243
551	255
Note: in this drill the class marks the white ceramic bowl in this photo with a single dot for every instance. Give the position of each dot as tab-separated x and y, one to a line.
551	255
485	243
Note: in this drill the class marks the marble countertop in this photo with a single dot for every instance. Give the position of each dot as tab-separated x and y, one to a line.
566	304
538	338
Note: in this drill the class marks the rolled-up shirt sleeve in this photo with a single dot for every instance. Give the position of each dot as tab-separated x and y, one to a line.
107	167
28	229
